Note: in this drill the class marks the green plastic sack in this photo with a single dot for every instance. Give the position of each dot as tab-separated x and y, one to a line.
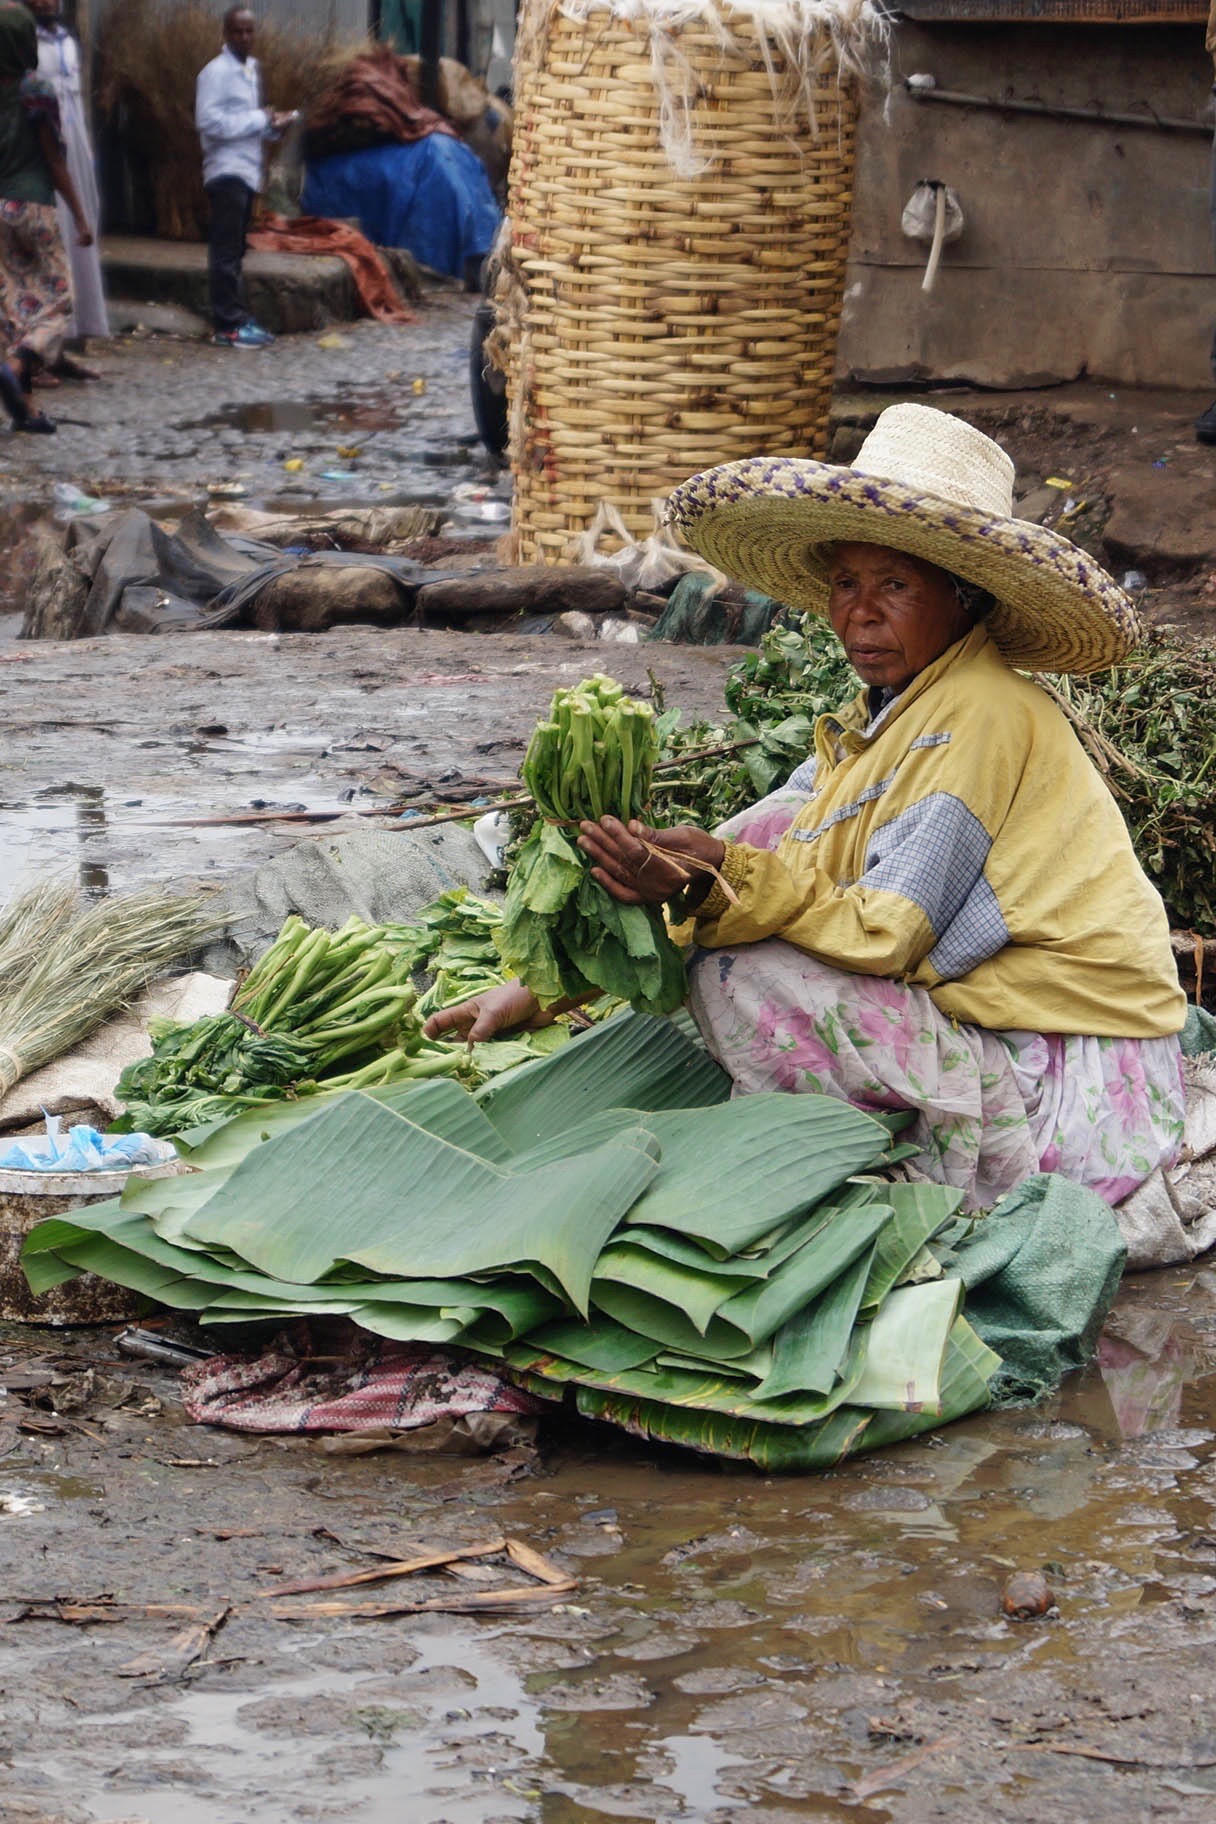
1041	1273
699	613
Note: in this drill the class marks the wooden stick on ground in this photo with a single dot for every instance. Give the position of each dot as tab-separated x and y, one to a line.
484	1600
400	1567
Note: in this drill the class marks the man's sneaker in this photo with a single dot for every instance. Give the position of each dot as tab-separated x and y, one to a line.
249	335
1205	426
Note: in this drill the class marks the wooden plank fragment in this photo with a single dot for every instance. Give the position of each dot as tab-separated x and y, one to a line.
531	1561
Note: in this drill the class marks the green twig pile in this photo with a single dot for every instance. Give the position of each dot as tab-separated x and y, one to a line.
774	696
1150	727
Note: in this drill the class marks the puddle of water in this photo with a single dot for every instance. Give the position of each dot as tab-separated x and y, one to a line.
697	1763
61	826
352	413
54	1485
84	829
269	1769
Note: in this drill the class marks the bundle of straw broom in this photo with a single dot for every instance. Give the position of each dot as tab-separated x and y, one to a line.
67	965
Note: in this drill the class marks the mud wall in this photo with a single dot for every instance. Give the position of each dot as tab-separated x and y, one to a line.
1087	246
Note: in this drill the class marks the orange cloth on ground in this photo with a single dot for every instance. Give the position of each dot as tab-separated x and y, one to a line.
316	235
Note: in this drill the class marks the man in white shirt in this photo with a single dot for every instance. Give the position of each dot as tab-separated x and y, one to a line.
233	126
59	62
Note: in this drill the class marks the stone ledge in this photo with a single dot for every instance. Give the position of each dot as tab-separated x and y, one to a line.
288	292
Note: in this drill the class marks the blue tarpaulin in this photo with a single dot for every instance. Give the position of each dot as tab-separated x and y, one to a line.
432	197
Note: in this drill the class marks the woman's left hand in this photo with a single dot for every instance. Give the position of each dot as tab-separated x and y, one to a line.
625	864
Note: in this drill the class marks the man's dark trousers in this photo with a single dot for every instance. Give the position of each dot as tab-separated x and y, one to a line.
231	207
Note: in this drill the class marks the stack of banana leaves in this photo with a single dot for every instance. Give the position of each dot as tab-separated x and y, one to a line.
606	1224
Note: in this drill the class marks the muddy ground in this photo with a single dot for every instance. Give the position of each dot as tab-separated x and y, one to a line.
738	1648
774	1650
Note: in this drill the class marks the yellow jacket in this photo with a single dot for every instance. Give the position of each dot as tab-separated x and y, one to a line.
963	842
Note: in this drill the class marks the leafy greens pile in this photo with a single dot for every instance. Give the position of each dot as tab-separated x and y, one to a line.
319	1010
705	1270
561	932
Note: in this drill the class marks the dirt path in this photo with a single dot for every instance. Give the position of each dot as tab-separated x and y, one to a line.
114	747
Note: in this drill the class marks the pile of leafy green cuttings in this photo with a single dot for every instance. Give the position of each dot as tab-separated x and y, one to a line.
725	1274
707	772
1150	727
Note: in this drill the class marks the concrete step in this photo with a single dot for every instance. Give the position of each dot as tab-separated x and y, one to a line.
287	291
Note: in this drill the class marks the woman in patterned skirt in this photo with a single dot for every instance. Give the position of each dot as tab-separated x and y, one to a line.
35	285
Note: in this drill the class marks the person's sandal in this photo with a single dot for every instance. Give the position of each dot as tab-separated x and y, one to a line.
16	405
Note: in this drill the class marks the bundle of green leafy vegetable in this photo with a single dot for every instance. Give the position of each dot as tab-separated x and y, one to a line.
561	932
320	1009
453	941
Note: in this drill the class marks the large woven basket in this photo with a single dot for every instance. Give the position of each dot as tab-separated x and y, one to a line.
680	198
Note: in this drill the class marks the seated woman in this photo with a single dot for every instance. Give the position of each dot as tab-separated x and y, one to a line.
941	910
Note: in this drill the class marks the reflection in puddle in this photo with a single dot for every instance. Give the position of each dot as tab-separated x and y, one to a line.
1145	1365
92	832
696	1763
63	825
375	413
393	1740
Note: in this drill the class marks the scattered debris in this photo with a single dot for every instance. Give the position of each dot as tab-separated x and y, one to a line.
1027	1596
163	1664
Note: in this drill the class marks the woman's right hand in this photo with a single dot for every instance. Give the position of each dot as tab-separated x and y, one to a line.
485	1016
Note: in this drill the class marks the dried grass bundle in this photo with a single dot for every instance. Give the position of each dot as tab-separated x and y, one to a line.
29	922
153	52
95	960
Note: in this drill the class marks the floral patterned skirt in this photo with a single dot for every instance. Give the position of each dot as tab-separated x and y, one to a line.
35	286
991	1108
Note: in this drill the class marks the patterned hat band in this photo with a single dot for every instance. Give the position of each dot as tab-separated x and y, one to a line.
927	484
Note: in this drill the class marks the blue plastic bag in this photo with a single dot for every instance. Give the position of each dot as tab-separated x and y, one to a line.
82	1149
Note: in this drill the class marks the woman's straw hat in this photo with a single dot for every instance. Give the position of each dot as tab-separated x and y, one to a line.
929	484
